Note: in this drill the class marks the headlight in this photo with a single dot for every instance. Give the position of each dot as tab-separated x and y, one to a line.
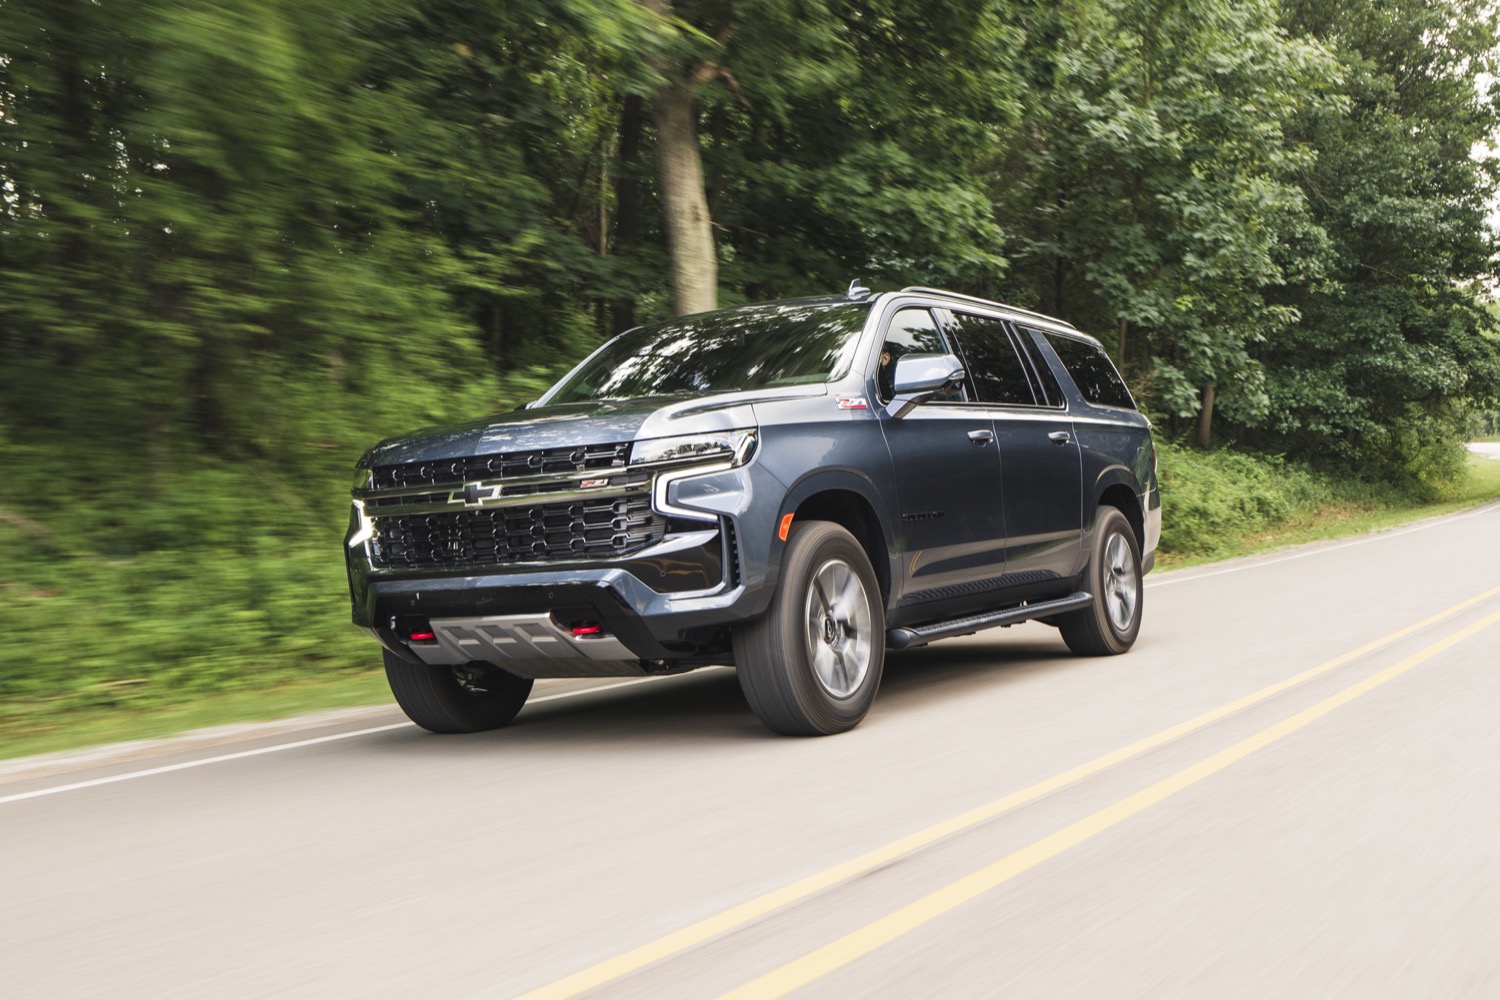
366	529
734	447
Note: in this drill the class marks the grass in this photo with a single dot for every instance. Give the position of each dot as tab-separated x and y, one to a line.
145	650
1343	517
83	727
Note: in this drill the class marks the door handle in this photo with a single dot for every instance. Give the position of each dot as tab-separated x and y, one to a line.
1059	437
981	437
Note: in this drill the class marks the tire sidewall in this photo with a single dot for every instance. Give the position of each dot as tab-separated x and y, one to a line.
1111	522
807	550
432	697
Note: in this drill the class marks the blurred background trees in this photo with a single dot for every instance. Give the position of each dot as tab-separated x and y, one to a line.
241	241
251	227
244	227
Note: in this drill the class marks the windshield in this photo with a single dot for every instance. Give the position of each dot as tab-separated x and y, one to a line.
751	348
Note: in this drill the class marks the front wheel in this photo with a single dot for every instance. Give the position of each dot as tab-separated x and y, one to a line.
810	666
458	699
1110	625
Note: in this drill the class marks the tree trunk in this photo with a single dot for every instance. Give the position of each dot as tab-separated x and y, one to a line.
627	201
1206	416
690	237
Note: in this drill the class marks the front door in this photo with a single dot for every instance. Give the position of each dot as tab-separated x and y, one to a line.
948	480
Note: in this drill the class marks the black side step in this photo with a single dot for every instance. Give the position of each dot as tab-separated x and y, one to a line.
905	638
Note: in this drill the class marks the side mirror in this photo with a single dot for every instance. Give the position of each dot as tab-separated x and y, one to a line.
919	377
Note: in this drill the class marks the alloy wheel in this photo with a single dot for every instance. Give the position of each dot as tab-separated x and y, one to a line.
838	628
1122	583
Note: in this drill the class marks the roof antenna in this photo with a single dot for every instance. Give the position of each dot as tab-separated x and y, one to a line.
856	291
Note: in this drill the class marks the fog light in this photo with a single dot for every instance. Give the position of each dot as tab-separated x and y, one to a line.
414	628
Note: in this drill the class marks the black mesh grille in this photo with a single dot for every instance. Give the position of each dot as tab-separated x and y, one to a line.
402	501
603	527
488	468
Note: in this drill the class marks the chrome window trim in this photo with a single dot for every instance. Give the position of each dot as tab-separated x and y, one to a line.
1011	311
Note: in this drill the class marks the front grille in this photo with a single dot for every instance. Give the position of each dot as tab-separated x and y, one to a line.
604	527
620	481
510	465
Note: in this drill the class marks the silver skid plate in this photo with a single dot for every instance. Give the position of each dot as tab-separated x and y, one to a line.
528	646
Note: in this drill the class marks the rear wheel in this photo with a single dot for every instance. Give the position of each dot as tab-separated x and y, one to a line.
455	699
811	665
1110	625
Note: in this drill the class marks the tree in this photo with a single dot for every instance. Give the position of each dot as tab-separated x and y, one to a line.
1157	195
181	262
1397	344
503	130
679	162
866	146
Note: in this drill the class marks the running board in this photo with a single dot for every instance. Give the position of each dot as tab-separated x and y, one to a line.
905	638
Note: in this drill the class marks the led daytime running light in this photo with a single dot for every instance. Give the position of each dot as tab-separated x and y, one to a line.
735	446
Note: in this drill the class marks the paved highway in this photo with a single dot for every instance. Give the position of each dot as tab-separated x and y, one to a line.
1488	449
1288	789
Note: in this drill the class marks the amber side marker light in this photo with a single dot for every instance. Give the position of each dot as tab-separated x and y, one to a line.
786	525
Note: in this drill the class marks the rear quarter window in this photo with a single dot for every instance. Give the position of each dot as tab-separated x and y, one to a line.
1092	370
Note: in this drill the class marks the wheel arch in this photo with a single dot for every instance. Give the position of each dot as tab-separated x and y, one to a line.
846	500
1115	490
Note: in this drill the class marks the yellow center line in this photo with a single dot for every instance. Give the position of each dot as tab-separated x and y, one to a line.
746	912
816	964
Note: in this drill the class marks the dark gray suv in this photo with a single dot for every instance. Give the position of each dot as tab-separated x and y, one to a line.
791	488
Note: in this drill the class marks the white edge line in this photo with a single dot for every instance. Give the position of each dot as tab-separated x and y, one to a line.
1320	549
167	768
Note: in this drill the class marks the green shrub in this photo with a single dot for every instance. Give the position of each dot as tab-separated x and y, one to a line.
1215	503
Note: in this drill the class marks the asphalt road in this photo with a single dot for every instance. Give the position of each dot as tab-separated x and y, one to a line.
1489	449
1288	789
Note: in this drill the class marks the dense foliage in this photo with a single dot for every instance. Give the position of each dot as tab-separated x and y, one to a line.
239	242
244	228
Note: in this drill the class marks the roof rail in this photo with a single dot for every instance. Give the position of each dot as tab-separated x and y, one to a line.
986	302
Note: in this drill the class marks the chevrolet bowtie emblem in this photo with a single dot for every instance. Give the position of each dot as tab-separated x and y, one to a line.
475	494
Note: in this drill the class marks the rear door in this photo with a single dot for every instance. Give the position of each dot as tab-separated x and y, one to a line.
1040	461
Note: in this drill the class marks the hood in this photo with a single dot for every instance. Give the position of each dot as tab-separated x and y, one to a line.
570	425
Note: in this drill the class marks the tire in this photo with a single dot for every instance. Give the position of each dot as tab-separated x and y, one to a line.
810	666
466	699
1110	625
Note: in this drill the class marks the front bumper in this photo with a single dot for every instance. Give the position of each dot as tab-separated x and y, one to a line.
671	603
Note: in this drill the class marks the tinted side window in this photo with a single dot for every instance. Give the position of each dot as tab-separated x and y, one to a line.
990	356
1093	371
912	331
1046	381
